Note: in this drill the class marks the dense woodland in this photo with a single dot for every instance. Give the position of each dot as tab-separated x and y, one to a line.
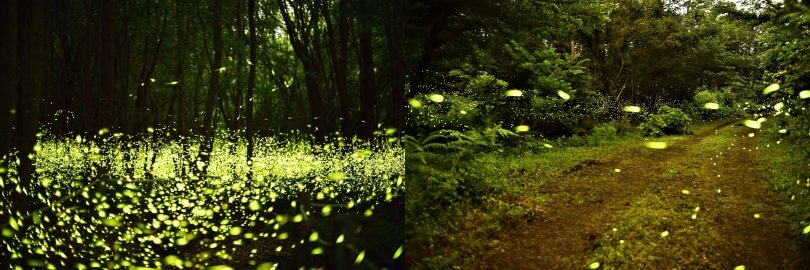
108	97
503	87
196	67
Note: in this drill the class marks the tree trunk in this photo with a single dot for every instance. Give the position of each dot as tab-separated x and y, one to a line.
431	45
368	100
8	72
301	44
394	40
107	65
250	86
32	63
209	128
338	53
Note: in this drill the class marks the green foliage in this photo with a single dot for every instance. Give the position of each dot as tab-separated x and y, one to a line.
445	172
666	121
603	133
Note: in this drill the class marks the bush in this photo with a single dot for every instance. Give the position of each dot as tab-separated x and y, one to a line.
666	121
454	112
601	134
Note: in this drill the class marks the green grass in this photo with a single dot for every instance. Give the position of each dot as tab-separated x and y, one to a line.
788	170
638	241
515	178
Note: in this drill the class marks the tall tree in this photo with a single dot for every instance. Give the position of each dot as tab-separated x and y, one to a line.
32	54
394	31
208	125
106	65
251	85
301	32
368	100
8	71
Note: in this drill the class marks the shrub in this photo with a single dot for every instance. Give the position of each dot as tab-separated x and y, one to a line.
601	134
667	120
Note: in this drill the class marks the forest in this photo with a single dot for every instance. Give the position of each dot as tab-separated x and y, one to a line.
202	134
608	134
405	134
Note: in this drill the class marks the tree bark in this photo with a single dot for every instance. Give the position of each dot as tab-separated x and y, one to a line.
396	61
251	84
107	65
368	100
8	72
301	43
209	127
32	64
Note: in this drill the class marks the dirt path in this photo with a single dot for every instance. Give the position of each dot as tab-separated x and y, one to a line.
572	230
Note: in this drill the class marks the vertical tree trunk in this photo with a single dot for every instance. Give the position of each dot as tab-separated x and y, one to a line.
107	65
32	63
251	84
368	100
301	44
396	61
339	58
209	126
8	72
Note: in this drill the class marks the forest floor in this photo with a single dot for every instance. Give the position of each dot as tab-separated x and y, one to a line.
704	202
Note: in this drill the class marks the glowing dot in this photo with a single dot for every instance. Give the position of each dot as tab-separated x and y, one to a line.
757	216
514	93
522	128
436	98
360	257
685	192
664	234
711	106
770	89
779	106
593	265
632	109
398	252
563	95
617	170
804	94
739	267
752	124
656	145
415	103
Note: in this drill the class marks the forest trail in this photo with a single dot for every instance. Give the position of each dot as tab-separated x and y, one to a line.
714	170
